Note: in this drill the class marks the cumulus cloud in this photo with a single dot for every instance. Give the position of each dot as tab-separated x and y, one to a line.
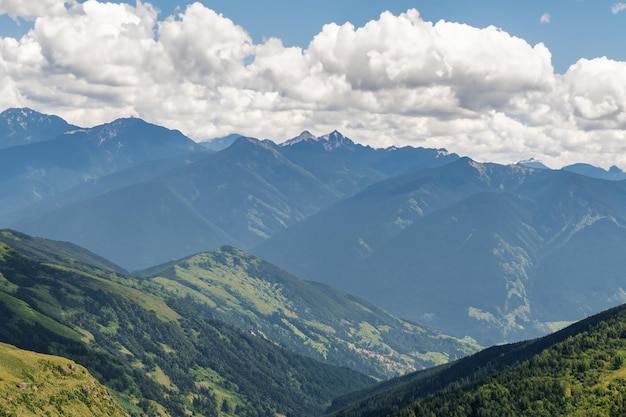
396	80
618	7
545	18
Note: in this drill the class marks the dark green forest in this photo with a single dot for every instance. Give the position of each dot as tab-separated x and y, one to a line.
579	371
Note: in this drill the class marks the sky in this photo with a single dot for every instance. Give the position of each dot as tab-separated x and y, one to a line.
497	81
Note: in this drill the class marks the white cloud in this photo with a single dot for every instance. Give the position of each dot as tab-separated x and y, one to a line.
545	18
618	7
31	9
396	80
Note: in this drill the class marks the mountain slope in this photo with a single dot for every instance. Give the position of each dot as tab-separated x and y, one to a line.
135	226
304	316
499	253
36	384
578	371
352	229
167	356
143	172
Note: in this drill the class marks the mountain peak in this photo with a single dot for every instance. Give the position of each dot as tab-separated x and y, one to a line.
335	140
331	141
533	163
305	136
21	126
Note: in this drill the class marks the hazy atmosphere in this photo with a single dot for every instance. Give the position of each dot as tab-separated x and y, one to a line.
497	82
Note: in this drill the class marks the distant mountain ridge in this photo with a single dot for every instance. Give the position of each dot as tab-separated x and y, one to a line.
613	173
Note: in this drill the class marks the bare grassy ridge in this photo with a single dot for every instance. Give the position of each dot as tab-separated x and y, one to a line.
33	384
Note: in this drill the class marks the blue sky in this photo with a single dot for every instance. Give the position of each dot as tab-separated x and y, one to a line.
548	82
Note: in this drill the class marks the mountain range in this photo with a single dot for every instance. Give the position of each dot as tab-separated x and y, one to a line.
494	252
239	196
216	321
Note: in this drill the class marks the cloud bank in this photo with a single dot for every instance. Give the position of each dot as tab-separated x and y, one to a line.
397	80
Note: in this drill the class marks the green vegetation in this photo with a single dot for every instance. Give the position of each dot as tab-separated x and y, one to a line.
303	316
579	371
157	355
32	384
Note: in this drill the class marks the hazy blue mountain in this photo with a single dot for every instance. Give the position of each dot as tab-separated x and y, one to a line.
218	144
139	173
238	196
33	172
495	252
614	173
24	126
133	226
355	227
244	194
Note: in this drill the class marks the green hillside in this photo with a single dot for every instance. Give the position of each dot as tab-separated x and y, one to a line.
159	356
579	371
306	317
32	384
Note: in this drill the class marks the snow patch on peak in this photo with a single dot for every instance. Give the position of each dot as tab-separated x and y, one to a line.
305	136
533	163
335	140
